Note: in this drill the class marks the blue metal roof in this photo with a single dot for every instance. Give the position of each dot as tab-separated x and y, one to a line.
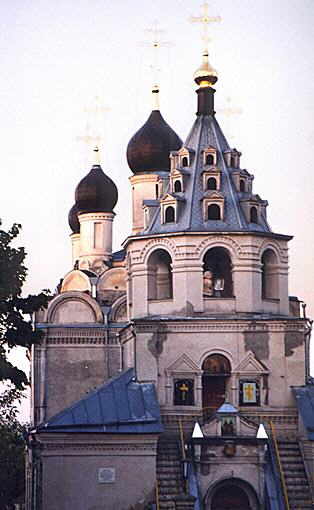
204	133
121	405
304	396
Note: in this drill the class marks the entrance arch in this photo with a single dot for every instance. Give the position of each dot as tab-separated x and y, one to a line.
232	494
216	372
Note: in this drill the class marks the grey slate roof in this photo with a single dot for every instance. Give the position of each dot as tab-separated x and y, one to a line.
304	396
121	405
204	133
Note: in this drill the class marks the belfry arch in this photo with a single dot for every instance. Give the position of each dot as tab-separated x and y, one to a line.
159	271
270	284
217	269
216	372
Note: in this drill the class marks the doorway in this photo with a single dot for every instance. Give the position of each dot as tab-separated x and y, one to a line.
230	498
216	372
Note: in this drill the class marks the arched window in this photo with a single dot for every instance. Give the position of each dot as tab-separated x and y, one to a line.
242	185
217	266
177	186
209	159
185	161
212	183
216	372
169	217
269	275
232	161
159	275
213	212
157	190
253	215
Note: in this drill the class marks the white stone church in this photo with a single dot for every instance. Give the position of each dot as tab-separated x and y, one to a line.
189	327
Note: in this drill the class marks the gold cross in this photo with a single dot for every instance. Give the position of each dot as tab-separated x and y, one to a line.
184	389
155	43
93	130
205	19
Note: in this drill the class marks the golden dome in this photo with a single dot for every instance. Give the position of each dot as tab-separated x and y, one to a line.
206	75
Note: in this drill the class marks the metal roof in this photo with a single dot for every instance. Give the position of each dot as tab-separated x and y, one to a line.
204	133
121	405
304	396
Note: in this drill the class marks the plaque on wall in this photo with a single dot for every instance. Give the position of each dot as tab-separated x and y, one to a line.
106	475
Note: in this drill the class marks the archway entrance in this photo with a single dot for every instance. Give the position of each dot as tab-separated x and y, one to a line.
216	371
230	497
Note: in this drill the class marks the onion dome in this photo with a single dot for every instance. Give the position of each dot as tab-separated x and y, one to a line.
205	75
96	192
149	149
73	220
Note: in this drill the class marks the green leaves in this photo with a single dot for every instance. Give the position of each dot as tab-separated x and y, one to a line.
16	312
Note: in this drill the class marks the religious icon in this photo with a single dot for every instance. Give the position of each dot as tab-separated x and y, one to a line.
249	393
183	392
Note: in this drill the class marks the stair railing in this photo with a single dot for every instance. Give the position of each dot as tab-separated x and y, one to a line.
157	496
282	476
183	454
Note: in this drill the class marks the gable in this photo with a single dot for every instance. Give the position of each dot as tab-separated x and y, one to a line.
251	366
184	364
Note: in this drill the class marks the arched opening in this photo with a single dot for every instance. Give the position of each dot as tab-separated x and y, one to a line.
213	212
210	159
156	190
230	497
159	275
232	494
216	372
185	161
253	215
218	268
233	161
242	185
177	187
269	275
212	183
169	216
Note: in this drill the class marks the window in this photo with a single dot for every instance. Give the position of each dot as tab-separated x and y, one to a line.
212	183
213	212
157	190
169	216
210	159
184	392
253	215
177	187
185	161
249	393
242	185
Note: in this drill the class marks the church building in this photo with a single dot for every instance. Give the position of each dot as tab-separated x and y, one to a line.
174	373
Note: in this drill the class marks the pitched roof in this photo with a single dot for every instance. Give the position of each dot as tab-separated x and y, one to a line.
304	396
204	133
121	405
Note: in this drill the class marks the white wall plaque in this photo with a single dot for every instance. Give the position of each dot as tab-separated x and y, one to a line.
106	475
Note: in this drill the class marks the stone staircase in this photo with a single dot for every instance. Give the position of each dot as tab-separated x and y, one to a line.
169	472
297	484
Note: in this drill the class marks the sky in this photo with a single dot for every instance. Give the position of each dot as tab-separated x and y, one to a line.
57	56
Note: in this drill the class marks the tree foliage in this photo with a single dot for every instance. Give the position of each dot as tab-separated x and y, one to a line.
12	450
16	327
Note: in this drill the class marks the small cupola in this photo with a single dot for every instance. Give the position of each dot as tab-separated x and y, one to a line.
73	220
149	149
96	192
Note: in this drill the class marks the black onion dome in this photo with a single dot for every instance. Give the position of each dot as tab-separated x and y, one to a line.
73	220
96	192
149	148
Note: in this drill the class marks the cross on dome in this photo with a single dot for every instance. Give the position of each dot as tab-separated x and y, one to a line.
205	19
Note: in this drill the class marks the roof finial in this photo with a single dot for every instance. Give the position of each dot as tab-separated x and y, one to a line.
96	156
94	135
206	75
155	43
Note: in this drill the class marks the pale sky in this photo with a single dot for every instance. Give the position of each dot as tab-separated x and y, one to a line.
56	56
